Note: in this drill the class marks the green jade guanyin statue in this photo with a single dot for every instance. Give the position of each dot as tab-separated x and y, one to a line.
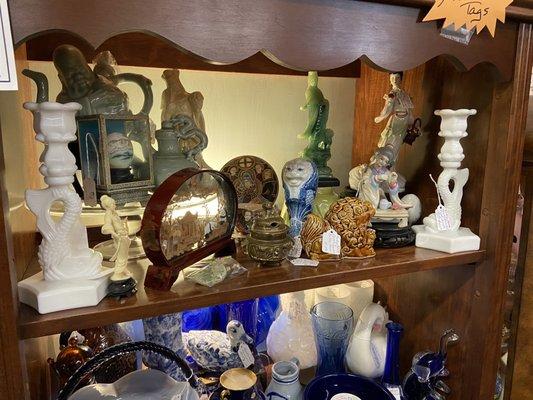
319	148
320	138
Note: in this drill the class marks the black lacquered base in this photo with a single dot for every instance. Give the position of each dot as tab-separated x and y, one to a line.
125	288
390	235
328	181
348	192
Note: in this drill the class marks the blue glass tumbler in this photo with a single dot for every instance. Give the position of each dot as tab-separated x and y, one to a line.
333	326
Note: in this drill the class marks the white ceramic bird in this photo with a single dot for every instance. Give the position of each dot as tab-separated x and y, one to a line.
215	350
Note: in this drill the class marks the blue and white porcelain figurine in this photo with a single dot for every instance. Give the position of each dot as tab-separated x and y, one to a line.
217	351
300	181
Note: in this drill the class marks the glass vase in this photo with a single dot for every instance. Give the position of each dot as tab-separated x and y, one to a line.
333	326
391	375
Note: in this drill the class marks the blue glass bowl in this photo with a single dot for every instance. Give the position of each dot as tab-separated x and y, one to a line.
325	387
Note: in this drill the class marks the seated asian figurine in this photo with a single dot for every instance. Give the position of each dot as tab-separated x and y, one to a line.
373	180
350	218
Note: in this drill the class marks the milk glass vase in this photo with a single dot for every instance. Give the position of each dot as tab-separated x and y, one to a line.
333	326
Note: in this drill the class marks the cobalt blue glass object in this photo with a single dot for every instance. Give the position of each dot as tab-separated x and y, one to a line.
333	326
327	386
391	374
197	320
266	314
246	313
424	381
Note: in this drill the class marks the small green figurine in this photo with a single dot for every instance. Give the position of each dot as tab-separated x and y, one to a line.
320	138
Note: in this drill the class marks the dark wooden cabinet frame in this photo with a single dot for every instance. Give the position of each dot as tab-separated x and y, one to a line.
426	291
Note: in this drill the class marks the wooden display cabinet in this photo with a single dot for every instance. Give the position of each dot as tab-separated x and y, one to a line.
426	291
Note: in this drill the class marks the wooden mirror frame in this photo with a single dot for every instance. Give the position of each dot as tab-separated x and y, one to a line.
163	272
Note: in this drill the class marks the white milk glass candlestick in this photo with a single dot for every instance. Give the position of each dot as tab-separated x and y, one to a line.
442	230
72	275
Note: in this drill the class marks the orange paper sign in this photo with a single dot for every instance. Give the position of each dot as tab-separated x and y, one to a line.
472	13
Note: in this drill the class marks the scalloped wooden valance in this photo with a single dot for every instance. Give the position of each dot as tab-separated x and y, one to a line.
300	34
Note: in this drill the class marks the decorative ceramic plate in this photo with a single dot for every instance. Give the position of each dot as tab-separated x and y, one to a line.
139	385
253	178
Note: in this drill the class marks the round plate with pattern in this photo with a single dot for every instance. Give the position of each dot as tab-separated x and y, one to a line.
253	178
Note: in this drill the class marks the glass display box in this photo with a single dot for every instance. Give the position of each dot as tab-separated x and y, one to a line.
115	156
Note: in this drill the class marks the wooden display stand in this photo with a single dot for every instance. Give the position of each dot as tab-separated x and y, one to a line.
425	290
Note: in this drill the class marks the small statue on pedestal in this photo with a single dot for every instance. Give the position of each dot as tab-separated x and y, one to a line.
373	181
397	108
319	148
122	283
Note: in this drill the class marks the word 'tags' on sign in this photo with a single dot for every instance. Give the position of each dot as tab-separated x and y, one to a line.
476	14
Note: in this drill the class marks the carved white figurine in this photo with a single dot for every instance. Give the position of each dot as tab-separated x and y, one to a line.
118	229
397	108
445	233
71	270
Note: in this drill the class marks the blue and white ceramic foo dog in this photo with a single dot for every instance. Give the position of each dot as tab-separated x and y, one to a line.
300	181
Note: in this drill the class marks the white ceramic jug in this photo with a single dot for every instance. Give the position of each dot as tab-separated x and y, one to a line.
285	384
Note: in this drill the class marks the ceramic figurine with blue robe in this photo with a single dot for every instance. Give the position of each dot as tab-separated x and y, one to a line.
424	381
217	351
300	181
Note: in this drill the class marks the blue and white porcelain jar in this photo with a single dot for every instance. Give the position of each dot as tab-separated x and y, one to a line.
285	384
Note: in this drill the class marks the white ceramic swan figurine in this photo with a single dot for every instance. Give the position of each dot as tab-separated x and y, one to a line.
368	345
215	350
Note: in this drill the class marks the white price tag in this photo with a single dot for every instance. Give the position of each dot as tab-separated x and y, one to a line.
331	242
345	396
304	262
395	391
296	250
443	219
245	354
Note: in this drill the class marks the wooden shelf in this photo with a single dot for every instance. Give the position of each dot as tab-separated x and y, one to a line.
259	281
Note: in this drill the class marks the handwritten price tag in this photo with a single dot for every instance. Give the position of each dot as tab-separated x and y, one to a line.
444	222
476	14
296	250
331	242
245	354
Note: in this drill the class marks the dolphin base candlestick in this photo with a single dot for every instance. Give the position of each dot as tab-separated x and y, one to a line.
442	230
72	274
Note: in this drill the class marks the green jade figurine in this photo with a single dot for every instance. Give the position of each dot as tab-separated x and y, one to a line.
319	148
